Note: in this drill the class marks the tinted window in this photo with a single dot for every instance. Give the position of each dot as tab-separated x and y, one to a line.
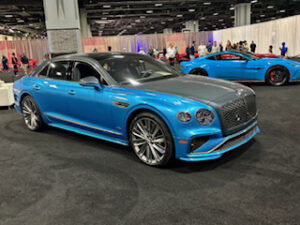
59	70
44	71
82	70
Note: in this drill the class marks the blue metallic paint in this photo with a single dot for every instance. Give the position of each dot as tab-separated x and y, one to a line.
94	113
248	70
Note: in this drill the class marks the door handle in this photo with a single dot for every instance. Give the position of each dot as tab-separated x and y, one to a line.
71	92
36	87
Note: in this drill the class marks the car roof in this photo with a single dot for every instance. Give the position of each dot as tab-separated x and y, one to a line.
94	55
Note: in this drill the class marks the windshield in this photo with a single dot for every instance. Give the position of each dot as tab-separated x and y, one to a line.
135	69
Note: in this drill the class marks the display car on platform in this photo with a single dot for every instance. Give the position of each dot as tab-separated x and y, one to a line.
241	66
133	99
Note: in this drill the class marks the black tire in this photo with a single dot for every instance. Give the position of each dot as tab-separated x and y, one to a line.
145	151
199	71
277	76
31	113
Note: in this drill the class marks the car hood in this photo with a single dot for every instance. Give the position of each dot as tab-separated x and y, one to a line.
204	89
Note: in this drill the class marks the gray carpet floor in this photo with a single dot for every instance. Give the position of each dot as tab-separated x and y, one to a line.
58	177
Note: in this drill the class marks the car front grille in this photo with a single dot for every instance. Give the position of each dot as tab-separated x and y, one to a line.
238	113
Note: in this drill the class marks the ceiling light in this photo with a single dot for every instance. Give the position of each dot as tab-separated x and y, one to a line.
232	17
262	15
8	16
158	4
137	21
282	11
20	21
105	13
215	14
170	19
179	15
202	18
191	10
221	20
163	22
270	7
11	30
149	11
152	27
37	27
142	17
206	3
231	8
106	6
104	18
254	1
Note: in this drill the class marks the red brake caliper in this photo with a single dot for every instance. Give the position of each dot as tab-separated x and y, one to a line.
272	76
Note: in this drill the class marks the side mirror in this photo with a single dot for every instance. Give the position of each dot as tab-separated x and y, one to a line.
90	82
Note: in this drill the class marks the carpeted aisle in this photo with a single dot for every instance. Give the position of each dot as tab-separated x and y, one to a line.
57	177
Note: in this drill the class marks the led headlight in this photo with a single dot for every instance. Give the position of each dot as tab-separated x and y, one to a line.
204	117
184	117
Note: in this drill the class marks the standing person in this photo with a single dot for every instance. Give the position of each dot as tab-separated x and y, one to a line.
4	63
208	48
215	48
228	46
221	48
14	61
142	51
171	51
253	47
164	51
245	46
201	49
109	48
24	61
193	50
283	49
188	52
271	49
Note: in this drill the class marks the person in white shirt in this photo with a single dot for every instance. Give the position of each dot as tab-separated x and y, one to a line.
142	51
215	48
171	52
201	49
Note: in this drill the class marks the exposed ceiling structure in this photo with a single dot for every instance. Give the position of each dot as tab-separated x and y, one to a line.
115	17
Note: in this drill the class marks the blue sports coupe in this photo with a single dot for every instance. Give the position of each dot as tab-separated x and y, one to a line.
243	66
132	99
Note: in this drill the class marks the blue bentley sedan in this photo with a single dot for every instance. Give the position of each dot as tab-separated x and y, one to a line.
132	99
243	66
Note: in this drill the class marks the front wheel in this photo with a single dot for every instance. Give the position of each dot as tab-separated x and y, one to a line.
151	139
277	76
200	72
31	114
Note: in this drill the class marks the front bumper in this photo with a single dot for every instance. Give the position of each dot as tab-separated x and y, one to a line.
217	145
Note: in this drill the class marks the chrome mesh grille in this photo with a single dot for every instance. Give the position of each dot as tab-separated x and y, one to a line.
238	112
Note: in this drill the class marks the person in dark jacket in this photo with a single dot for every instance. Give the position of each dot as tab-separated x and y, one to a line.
188	52
253	47
24	61
4	63
193	50
14	61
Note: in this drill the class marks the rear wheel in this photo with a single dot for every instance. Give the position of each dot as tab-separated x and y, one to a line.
199	71
151	139
277	76
31	114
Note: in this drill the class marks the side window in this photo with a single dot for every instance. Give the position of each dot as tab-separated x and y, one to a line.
59	70
82	70
230	57
44	71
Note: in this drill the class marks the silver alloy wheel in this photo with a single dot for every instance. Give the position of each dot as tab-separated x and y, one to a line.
148	141
30	114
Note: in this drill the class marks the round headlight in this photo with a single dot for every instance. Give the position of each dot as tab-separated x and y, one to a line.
184	117
204	117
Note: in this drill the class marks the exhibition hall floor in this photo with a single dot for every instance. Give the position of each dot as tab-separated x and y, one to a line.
58	177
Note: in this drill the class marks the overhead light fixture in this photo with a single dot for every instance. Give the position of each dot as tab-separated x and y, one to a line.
206	3
270	7
254	1
179	15
170	19
142	17
106	6
149	11
152	27
231	8
104	18
8	16
105	13
191	10
137	21
163	22
20	21
262	15
158	4
221	20
37	27
282	11
202	18
122	32
11	30
215	14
